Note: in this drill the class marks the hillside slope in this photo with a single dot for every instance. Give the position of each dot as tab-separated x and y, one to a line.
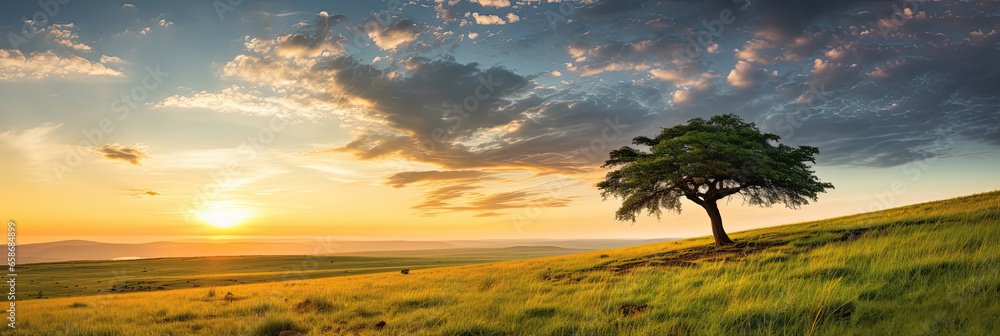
924	269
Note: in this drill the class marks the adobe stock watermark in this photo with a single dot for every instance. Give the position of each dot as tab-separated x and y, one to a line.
121	107
12	274
39	20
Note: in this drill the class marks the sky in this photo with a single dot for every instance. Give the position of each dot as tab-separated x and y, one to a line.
469	119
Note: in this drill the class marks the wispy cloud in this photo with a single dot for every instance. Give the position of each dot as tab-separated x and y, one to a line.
133	153
140	192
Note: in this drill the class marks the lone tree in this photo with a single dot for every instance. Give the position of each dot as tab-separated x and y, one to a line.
706	161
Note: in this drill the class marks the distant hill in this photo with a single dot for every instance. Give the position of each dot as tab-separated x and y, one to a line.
502	253
90	250
69	250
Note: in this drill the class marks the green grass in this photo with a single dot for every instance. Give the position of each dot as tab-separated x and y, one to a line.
926	269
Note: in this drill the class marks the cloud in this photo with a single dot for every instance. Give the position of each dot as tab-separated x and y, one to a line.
489	203
510	127
105	59
237	99
746	75
311	44
460	197
696	90
593	69
887	102
516	199
640	54
37	146
465	120
393	35
455	191
400	180
678	78
140	193
446	15
492	3
754	51
133	153
782	21
65	35
487	214
40	65
487	19
439	199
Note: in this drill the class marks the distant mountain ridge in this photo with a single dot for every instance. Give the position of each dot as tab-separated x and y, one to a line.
90	250
68	250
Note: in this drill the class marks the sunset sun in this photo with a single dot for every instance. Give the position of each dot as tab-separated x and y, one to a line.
223	215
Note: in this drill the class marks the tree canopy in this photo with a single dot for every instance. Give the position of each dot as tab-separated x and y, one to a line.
708	160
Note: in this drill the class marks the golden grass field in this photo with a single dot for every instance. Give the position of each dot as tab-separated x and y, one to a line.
90	277
924	269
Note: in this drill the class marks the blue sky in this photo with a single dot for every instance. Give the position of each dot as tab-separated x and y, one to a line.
471	119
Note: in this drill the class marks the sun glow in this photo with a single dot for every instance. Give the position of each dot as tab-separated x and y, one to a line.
223	215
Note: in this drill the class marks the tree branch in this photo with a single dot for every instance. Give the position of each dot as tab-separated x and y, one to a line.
728	191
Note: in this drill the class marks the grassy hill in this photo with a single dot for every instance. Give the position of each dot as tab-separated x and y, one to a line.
925	269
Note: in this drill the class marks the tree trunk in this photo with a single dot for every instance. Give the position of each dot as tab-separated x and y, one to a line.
721	238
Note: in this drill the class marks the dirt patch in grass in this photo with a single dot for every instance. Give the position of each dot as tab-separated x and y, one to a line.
851	235
687	257
628	309
181	317
692	256
303	306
